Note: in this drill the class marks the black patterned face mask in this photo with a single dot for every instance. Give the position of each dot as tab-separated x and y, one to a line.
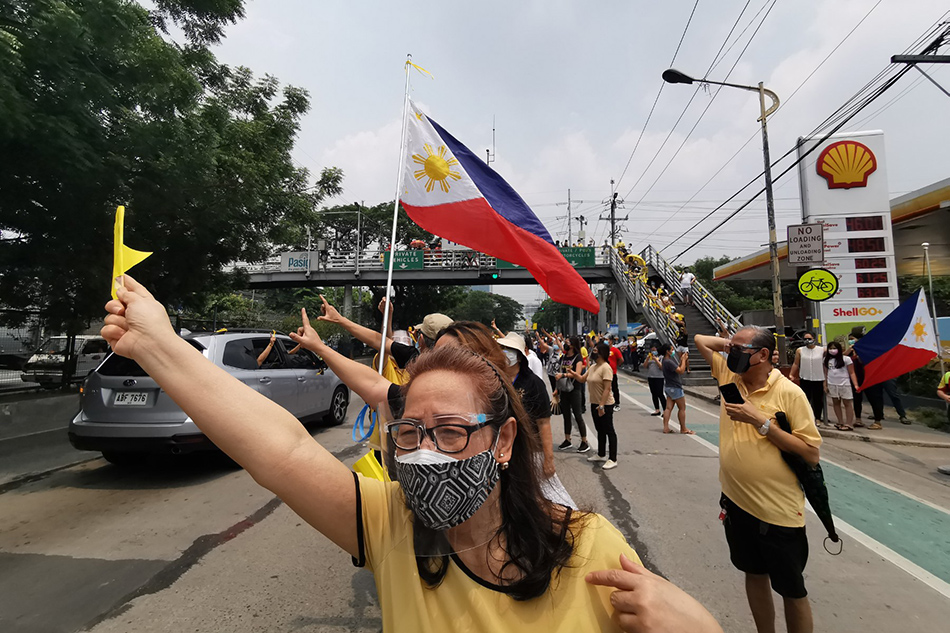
443	494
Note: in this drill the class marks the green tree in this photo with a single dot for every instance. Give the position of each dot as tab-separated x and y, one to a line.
98	109
941	297
484	307
736	296
339	224
551	315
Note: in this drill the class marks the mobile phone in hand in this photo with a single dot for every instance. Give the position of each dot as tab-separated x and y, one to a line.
730	393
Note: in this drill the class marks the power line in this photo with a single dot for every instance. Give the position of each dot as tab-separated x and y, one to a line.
749	140
657	99
683	113
705	110
830	120
838	126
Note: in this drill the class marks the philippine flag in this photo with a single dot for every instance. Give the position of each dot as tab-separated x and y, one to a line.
451	193
902	342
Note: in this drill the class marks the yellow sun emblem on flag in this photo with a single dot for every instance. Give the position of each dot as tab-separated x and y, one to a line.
436	168
920	330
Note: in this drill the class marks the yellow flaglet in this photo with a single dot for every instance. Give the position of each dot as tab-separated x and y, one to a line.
419	68
124	257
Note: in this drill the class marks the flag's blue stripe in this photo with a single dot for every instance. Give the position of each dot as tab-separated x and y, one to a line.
887	334
500	195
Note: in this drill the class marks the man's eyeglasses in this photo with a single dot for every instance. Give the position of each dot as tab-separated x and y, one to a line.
451	433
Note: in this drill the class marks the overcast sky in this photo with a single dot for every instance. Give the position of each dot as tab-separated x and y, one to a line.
569	85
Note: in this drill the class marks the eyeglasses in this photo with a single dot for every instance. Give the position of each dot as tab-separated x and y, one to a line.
451	433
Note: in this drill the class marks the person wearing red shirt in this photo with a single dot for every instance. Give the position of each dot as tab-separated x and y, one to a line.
615	359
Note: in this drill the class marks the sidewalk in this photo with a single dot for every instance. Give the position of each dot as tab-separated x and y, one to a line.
894	432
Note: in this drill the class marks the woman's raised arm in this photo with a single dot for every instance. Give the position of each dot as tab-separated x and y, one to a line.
256	432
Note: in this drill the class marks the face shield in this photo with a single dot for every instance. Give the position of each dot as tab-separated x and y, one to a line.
446	461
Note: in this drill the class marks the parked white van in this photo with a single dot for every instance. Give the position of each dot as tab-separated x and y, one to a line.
47	363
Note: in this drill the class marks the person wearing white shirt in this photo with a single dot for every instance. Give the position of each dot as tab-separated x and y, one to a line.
686	287
808	373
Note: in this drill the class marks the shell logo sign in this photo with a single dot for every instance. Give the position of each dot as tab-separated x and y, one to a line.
846	164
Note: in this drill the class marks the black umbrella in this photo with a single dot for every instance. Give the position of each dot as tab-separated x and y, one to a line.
812	480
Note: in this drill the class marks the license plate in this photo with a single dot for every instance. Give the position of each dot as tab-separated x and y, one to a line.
131	399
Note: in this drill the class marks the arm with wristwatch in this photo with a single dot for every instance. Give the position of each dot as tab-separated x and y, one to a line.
748	413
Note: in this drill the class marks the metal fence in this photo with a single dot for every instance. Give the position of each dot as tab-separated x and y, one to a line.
375	260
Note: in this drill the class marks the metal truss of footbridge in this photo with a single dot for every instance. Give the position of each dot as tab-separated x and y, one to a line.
470	268
461	268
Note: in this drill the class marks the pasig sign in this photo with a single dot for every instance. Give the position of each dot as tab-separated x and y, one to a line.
806	244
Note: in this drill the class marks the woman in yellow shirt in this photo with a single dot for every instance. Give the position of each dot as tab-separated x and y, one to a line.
462	540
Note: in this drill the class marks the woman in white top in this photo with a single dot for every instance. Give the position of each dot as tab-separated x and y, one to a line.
839	376
808	373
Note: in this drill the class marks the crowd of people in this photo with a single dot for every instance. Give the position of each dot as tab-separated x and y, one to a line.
469	487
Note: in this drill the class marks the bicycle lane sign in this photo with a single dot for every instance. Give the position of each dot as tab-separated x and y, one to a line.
818	284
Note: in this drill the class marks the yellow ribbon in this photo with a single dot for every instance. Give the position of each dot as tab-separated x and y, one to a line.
419	68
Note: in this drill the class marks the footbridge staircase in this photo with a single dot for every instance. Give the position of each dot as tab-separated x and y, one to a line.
706	316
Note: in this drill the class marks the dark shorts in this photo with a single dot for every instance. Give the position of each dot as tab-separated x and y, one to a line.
757	547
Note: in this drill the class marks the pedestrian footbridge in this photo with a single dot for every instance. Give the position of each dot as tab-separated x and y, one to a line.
633	285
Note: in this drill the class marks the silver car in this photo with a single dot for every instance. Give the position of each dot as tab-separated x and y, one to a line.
124	413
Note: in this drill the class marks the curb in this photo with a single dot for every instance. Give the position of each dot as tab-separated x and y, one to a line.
853	436
880	439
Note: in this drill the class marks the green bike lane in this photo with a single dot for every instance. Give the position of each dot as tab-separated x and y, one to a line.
911	533
916	531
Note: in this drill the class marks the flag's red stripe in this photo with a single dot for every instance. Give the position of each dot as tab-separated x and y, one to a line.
894	363
475	224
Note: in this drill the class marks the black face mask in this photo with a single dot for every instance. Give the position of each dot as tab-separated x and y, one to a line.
738	361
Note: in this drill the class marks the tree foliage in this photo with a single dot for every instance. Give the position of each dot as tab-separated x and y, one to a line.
339	224
97	109
736	296
552	316
484	307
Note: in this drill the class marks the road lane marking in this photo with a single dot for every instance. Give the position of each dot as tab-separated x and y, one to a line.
901	562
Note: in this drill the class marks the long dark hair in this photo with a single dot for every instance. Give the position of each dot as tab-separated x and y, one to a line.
837	360
537	536
603	351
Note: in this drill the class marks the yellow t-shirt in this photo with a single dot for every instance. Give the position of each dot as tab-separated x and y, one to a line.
461	603
596	377
751	469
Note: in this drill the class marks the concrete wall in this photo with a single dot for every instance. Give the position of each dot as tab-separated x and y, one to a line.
36	412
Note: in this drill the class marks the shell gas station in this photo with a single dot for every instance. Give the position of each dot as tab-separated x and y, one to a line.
869	240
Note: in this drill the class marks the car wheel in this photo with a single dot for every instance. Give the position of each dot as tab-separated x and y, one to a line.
122	459
338	405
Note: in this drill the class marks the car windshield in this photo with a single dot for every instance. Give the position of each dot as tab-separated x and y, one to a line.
54	345
116	365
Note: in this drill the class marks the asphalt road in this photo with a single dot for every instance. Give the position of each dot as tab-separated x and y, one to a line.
196	545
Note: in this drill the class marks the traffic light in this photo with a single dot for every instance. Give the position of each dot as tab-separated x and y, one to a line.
494	275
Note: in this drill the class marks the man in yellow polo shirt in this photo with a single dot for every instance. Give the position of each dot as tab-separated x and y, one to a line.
763	507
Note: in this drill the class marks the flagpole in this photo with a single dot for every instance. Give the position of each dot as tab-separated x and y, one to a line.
933	307
392	239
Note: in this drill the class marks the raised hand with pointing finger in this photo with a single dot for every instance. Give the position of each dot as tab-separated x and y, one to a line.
329	313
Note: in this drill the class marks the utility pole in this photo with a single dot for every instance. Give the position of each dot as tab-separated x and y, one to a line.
569	240
570	219
614	200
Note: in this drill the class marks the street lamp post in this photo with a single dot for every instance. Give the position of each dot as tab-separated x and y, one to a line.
674	76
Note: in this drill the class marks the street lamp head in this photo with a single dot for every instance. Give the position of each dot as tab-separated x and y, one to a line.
673	76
